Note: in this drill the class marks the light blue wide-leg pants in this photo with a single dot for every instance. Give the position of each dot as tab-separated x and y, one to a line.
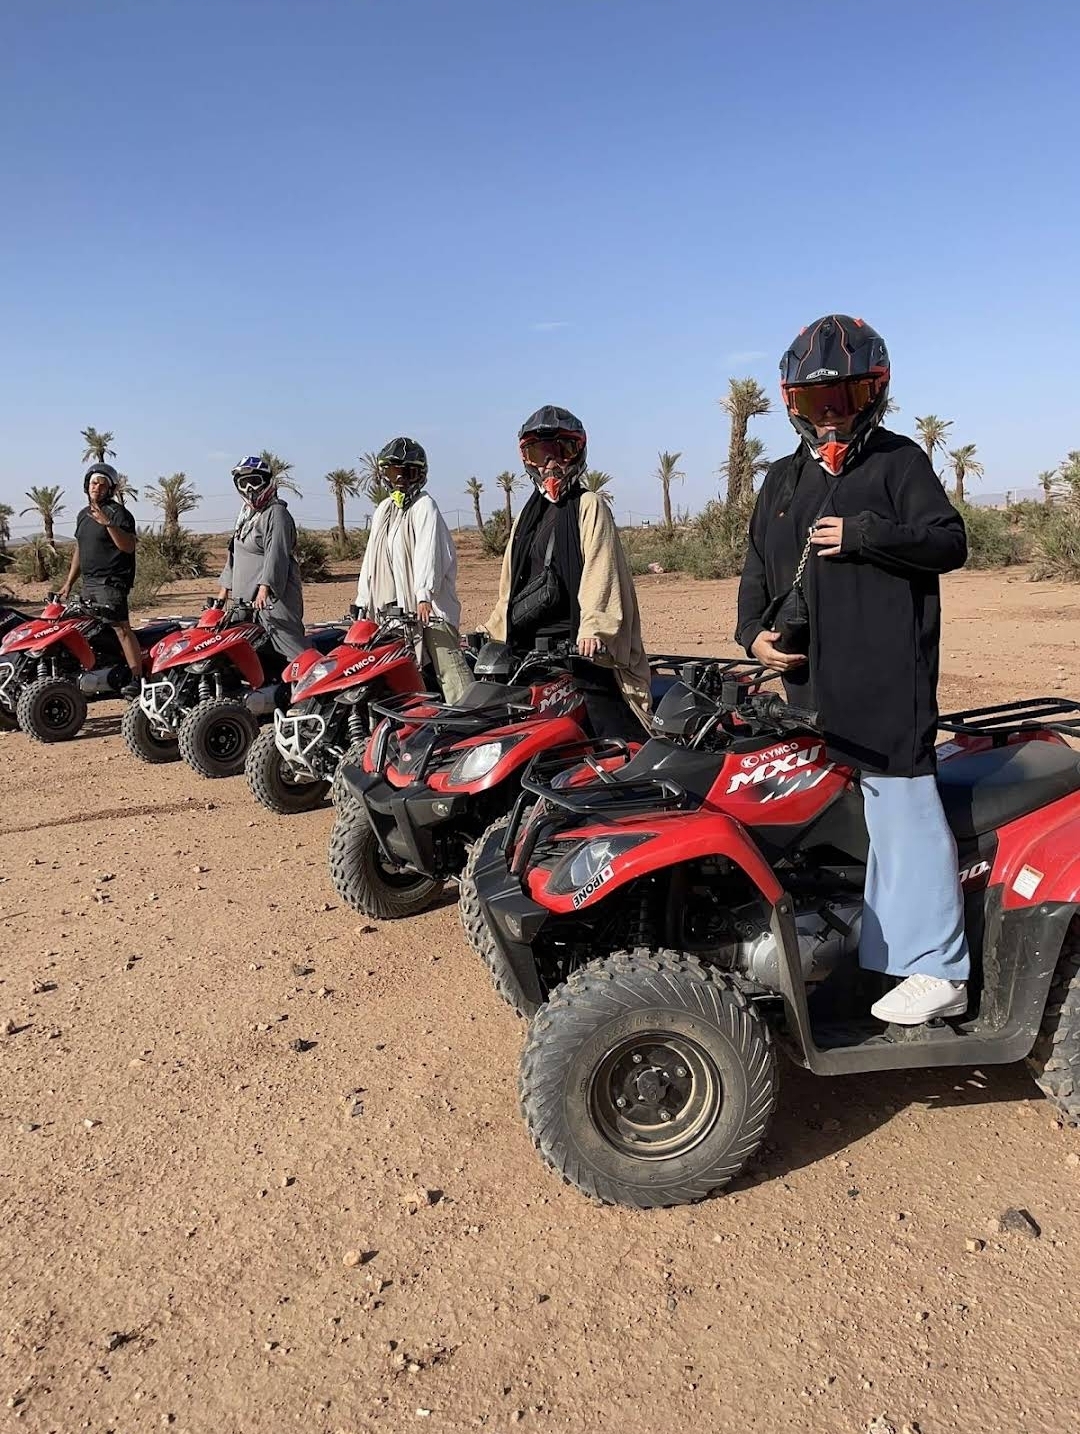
913	908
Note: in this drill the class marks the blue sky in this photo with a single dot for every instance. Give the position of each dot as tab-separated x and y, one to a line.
314	224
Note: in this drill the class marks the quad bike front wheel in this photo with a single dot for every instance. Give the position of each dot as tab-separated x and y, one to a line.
478	933
215	736
143	742
1055	1057
273	782
339	793
647	1080
366	879
52	709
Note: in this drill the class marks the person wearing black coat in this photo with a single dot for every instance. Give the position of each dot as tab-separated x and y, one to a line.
863	514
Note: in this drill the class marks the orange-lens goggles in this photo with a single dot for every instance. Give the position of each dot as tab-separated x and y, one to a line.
819	403
537	452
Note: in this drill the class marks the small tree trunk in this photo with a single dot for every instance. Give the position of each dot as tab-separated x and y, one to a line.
667	505
476	510
509	510
736	466
340	497
47	524
40	573
960	488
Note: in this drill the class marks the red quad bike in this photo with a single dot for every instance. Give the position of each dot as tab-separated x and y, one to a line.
208	689
669	924
9	617
435	777
292	765
51	665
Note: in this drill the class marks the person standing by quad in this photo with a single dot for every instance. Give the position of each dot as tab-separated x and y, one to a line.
104	555
857	519
565	576
411	561
261	567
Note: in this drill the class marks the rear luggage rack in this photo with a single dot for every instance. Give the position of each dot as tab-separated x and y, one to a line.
1000	721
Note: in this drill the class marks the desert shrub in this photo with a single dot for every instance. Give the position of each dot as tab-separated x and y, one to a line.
39	561
354	546
495	535
654	545
716	544
312	556
152	572
994	539
183	553
1056	544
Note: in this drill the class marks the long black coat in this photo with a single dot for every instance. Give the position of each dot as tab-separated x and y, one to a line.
875	610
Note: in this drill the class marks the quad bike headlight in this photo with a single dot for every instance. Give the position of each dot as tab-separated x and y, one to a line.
315	673
164	654
479	761
590	859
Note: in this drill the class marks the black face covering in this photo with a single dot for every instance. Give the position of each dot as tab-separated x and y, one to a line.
566	557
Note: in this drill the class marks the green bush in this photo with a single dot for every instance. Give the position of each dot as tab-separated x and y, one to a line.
39	561
713	545
1056	544
312	556
495	535
995	540
183	553
152	572
354	546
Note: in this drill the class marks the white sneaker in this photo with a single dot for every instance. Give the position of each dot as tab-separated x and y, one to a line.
919	999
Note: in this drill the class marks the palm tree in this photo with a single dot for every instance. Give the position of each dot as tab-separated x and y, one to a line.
344	482
125	490
98	446
7	512
372	483
46	501
1048	481
474	488
745	399
279	467
596	481
42	555
964	465
507	481
757	460
668	473
891	406
174	496
933	431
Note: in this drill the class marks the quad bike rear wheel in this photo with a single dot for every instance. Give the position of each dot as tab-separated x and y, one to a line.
339	793
215	736
273	783
52	709
142	740
1055	1057
647	1079
478	933
366	879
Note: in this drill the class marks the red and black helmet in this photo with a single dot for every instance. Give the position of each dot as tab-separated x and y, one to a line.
834	380
552	442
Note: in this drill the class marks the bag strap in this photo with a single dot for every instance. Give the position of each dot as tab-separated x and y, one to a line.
550	553
797	579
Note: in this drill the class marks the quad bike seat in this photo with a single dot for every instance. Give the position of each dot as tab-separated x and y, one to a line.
988	789
153	632
491	694
325	639
694	771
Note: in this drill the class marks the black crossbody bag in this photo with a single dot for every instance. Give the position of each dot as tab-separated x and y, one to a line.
539	595
789	614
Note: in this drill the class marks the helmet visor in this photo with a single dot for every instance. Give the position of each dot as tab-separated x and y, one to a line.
562	447
823	404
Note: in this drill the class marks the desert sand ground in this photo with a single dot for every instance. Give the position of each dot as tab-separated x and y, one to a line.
179	1187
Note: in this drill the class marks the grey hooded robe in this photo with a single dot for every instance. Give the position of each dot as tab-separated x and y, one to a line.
261	554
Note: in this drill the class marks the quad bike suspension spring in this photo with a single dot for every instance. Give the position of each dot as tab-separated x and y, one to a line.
206	689
644	917
43	668
358	724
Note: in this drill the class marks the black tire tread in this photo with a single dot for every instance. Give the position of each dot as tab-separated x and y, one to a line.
355	753
130	730
189	726
25	704
357	885
1055	1058
260	767
606	989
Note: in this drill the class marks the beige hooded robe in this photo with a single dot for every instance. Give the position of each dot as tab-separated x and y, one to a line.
606	597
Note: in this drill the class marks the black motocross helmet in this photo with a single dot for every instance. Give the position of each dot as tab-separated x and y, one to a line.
101	470
835	378
553	449
403	465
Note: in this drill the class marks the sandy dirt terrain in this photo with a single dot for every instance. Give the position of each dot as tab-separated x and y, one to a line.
204	1227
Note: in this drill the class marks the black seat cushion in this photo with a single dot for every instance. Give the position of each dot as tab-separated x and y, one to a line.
491	694
986	790
694	771
325	639
152	632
